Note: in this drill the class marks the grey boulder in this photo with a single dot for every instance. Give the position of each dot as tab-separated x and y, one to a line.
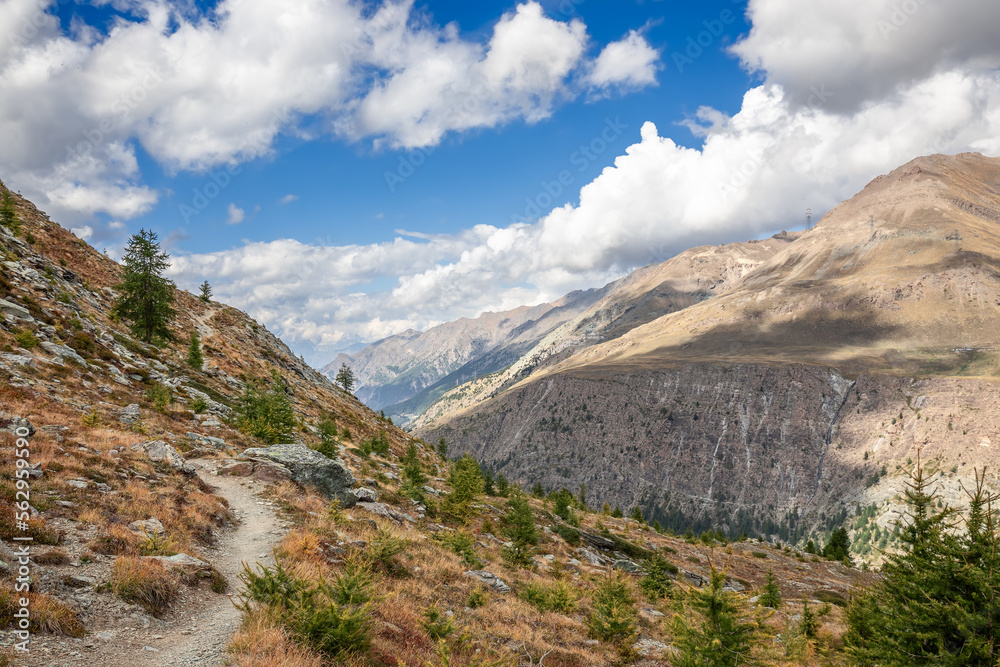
310	468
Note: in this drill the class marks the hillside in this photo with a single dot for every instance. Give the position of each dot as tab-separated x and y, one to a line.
796	396
147	500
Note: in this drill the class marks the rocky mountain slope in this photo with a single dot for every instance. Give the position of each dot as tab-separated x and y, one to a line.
146	500
798	394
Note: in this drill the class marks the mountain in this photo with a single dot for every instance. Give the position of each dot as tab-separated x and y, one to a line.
797	394
150	511
407	364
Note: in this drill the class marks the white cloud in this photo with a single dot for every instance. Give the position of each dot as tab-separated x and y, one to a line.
630	62
78	105
862	50
288	199
757	172
84	232
234	214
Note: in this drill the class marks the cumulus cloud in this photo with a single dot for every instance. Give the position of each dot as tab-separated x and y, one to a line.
757	172
630	62
288	199
84	232
234	214
78	105
864	50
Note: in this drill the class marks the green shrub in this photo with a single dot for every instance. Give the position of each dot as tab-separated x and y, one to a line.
467	485
758	554
613	618
377	444
462	544
382	552
658	580
333	619
568	533
160	396
558	597
771	595
199	405
477	598
519	527
265	411
437	624
26	339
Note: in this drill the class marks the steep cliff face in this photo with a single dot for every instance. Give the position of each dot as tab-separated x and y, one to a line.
796	394
740	446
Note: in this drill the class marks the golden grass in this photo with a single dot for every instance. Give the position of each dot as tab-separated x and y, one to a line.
143	582
262	642
47	613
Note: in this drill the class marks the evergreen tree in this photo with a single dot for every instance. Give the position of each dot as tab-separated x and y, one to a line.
466	484
8	213
838	548
206	292
537	491
488	481
810	547
503	485
561	500
723	638
146	297
520	529
937	601
637	514
194	357
658	580
442	449
613	618
581	496
414	473
771	595
808	624
345	378
617	514
265	411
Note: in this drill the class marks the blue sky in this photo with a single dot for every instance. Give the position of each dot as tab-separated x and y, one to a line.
344	171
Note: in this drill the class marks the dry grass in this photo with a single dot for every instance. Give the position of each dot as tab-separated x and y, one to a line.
47	613
143	582
262	642
52	557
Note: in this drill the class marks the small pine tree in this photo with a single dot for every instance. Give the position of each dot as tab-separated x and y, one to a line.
194	358
617	513
838	548
658	580
466	484
519	527
771	595
345	378
537	491
503	485
561	501
637	514
613	619
147	298
581	496
265	411
808	624
810	547
414	473
206	292
442	449
489	481
8	213
723	638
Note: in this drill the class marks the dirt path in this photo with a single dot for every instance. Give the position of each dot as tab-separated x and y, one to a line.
201	638
199	625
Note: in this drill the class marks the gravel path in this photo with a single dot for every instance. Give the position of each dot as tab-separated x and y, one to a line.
199	625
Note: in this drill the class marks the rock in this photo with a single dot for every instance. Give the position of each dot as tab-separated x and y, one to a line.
35	470
695	579
150	526
589	556
269	471
77	483
378	509
130	414
626	566
12	423
733	586
75	581
237	469
366	495
181	561
160	452
490	579
17	360
597	541
649	648
62	351
214	406
216	443
18	312
310	468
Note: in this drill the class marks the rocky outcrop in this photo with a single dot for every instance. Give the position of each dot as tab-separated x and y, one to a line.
309	468
161	452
